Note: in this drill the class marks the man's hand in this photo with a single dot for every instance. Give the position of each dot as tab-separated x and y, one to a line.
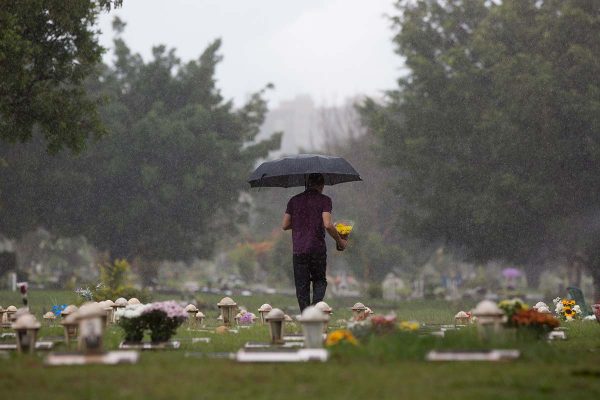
341	244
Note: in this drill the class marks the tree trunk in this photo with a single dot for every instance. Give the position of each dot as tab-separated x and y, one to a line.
593	266
594	269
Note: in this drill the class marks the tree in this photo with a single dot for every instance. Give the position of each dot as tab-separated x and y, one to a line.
495	126
164	183
47	49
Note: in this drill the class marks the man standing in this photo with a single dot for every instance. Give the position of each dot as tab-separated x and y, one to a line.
308	215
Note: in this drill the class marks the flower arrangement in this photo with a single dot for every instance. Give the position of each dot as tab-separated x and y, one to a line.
383	324
88	294
58	308
340	336
130	320
512	307
344	229
540	323
163	319
409	326
360	329
566	309
541	307
23	286
247	318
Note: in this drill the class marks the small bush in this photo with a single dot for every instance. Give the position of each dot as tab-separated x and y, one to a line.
115	283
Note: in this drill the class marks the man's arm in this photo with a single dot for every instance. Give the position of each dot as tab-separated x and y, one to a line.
330	228
286	224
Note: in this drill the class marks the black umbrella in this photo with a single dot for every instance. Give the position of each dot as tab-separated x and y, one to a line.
294	170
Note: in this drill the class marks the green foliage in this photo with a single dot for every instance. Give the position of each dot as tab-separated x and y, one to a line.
47	49
164	183
133	329
115	282
374	291
244	258
495	127
279	265
162	328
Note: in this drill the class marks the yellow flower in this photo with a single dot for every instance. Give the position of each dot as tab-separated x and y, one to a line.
409	325
343	229
568	303
340	336
568	312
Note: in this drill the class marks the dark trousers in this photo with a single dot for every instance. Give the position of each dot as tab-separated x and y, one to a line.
310	268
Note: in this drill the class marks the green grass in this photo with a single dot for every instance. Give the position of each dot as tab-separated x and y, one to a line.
381	368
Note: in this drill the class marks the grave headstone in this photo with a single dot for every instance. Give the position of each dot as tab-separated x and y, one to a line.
575	293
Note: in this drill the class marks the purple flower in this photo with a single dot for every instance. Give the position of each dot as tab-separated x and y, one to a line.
170	308
247	318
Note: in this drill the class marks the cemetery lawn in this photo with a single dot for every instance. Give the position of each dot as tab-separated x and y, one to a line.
385	367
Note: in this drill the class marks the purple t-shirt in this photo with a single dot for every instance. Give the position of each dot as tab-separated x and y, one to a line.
308	232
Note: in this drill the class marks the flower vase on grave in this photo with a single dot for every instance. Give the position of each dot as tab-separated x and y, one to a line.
228	308
276	320
358	312
263	311
26	328
70	325
91	328
489	319
10	314
312	320
191	311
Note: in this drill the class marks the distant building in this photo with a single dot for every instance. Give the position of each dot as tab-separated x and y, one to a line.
298	119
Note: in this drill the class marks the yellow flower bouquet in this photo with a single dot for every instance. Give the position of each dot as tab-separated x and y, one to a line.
344	228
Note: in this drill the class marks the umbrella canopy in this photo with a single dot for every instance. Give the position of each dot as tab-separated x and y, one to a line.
294	170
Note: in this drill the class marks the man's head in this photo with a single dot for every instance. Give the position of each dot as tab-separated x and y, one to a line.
316	181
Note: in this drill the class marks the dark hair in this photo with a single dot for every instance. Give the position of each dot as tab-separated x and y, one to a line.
315	180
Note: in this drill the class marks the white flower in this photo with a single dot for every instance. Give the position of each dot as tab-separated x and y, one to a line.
590	318
559	308
577	309
556	300
539	305
130	311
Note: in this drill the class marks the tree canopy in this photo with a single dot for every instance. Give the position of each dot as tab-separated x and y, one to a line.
496	125
47	49
164	183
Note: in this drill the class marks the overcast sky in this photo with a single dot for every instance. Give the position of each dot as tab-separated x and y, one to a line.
330	49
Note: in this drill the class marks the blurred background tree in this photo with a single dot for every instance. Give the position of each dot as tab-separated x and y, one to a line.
165	183
495	127
47	50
